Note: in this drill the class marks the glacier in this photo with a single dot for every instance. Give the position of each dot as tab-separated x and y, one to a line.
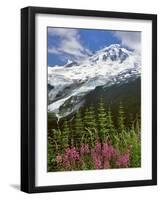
70	83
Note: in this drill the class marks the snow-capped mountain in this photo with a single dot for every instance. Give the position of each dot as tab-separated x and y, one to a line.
69	84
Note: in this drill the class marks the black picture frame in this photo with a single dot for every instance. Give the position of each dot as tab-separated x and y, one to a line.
28	98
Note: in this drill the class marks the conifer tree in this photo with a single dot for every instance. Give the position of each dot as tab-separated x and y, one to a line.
89	118
110	125
135	144
131	121
102	121
138	124
123	133
65	134
78	128
121	118
90	125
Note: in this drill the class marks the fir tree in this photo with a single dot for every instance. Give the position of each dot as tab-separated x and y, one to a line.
78	128
55	139
89	126
110	126
135	149
121	118
131	121
102	121
89	118
65	134
138	124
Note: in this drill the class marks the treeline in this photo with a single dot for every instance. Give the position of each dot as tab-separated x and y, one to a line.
94	125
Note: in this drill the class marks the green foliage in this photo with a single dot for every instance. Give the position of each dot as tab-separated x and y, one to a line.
90	134
78	129
138	123
55	139
89	137
135	158
93	125
121	118
54	146
110	127
89	118
102	121
51	156
65	135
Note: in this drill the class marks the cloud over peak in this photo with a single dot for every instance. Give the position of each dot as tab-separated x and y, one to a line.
130	39
69	42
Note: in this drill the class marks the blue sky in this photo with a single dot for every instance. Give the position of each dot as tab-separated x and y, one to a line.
74	44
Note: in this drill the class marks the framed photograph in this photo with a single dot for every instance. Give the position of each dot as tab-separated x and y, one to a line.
88	99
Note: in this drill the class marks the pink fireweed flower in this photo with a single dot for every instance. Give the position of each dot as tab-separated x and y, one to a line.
108	151
103	154
123	160
58	158
93	153
66	162
98	147
84	149
105	151
97	161
112	152
72	153
70	157
96	157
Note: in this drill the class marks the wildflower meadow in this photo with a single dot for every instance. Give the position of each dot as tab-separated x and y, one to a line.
92	139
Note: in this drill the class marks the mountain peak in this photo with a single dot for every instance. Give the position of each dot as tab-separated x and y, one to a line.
114	46
113	52
69	84
69	62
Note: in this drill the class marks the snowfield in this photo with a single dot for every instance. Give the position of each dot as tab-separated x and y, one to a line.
71	82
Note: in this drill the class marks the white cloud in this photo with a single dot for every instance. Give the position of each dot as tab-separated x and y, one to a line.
129	39
69	42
